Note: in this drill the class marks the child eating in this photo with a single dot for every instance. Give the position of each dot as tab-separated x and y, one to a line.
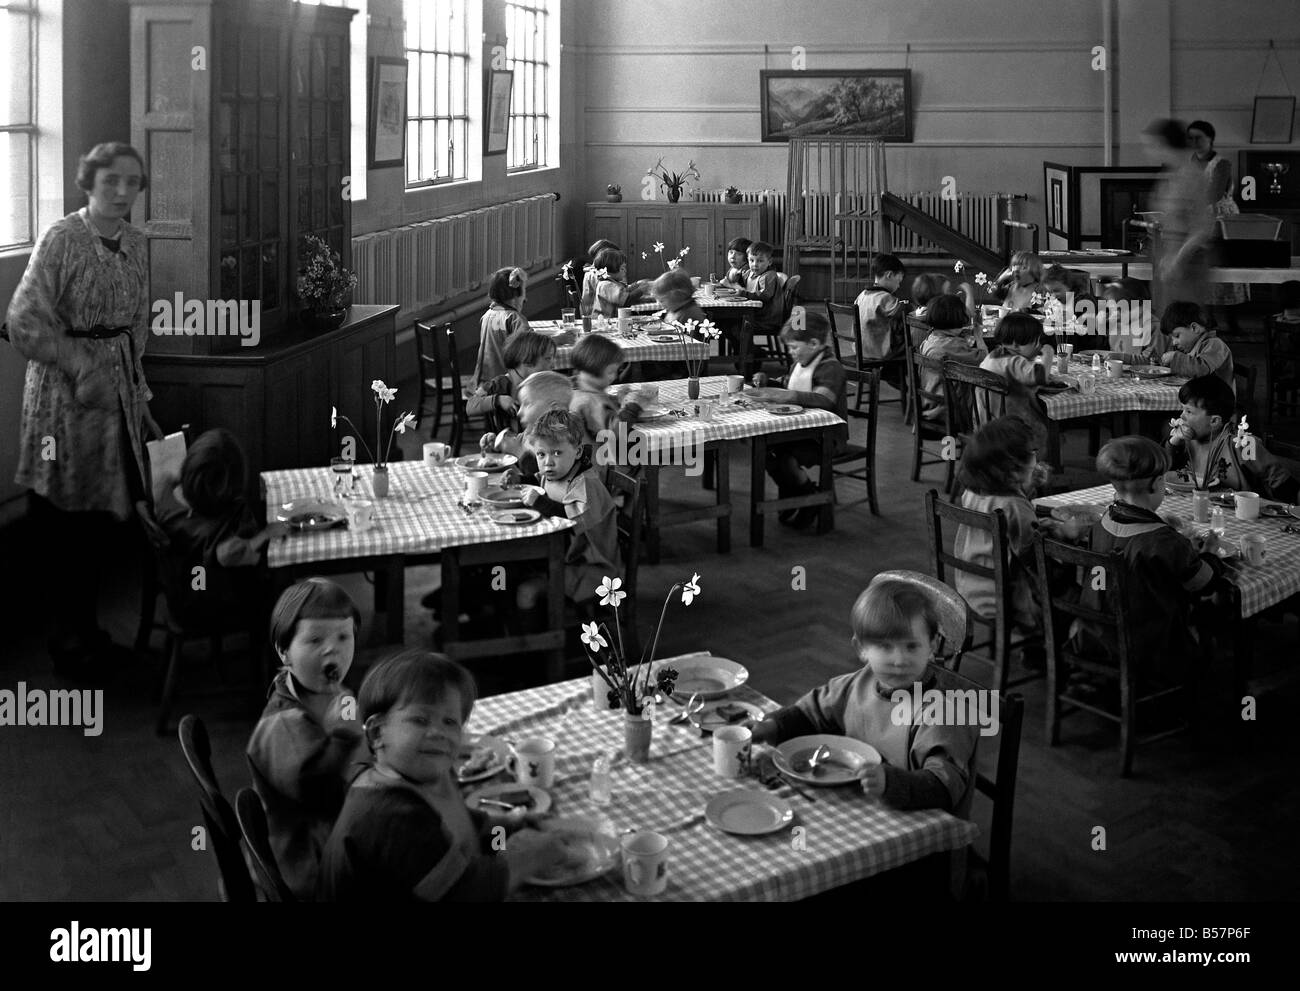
589	277
762	284
950	337
737	262
1197	350
675	295
895	635
1020	282
525	353
612	290
507	292
596	363
1018	339
880	311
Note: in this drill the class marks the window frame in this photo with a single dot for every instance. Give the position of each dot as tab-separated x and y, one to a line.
468	118
31	128
545	151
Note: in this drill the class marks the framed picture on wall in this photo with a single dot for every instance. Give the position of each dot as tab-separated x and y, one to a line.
867	103
496	136
1273	120
387	138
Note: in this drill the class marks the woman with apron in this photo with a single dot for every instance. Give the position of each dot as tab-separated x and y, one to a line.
1223	296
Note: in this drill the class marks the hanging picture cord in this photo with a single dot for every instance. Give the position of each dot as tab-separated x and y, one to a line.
1272	53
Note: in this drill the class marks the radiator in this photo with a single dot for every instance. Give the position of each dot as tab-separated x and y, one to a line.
425	265
977	215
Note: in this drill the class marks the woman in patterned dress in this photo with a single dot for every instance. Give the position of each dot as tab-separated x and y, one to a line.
1223	296
80	317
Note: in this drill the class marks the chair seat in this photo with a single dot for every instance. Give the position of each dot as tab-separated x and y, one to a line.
931	429
851	452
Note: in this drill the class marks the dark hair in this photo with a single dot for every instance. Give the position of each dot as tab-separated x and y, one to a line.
597	247
1018	329
101	157
740	244
312	598
1171	132
813	327
886	611
884	264
214	473
947	313
1132	459
1204	126
594	353
1182	313
1210	393
556	424
414	675
993	456
610	259
1056	273
925	287
527	348
506	285
674	288
761	248
1289	294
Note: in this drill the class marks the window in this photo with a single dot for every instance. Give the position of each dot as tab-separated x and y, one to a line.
438	92
357	107
532	50
17	125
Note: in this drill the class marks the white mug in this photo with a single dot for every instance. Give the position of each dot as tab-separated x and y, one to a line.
1114	368
534	761
1254	548
1247	505
1087	383
645	863
475	483
436	453
704	410
730	750
624	320
735	383
361	514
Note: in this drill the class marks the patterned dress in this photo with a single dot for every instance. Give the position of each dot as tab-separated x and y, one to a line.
1218	194
80	395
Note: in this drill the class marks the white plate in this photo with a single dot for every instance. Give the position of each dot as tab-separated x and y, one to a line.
312	514
499	747
665	338
651	413
492	463
710	677
1151	371
502	498
748	813
602	853
709	720
785	409
540	800
847	756
514	517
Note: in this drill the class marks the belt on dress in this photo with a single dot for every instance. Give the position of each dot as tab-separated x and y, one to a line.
99	332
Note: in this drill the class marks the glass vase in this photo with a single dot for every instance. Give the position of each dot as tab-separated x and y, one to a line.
636	737
692	388
380	482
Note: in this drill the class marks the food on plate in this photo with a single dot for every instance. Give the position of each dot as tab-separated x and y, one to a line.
481	759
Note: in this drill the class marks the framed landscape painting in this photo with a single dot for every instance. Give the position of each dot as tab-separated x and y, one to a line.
867	103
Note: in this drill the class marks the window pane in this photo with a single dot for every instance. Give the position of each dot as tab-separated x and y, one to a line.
16	209
428	82
16	79
428	29
411	14
428	151
458	104
270	276
412	151
412	87
442	86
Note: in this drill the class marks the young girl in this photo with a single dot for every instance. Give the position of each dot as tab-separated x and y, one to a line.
507	292
589	277
525	353
302	751
1019	341
612	291
951	337
1074	292
596	362
1124	317
1020	281
405	833
737	262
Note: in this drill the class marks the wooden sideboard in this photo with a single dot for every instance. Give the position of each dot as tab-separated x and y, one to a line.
705	228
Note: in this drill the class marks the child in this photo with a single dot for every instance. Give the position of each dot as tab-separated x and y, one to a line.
880	311
209	524
738	262
1289	297
507	292
596	362
951	337
675	295
1124	316
303	747
1073	291
405	833
538	394
589	277
612	290
895	635
1017	285
764	285
817	380
1018	340
1202	441
1197	350
525	353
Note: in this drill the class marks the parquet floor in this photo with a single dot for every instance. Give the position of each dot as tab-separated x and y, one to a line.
110	817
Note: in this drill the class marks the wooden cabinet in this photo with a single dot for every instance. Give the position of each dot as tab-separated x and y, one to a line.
705	228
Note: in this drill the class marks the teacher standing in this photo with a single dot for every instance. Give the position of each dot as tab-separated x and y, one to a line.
1180	257
1217	173
80	317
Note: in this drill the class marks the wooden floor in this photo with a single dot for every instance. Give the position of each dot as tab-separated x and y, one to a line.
110	817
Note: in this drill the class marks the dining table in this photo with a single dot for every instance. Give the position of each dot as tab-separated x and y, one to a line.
837	836
648	343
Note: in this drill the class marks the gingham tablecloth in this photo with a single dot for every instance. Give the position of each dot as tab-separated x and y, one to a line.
639	348
1126	394
421	515
1276	579
846	837
706	302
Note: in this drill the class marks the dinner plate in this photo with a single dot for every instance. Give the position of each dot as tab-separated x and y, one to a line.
709	677
715	715
785	409
665	338
1224	499
1087	355
515	517
748	813
1079	513
312	514
847	756
1151	371
488	463
537	800
598	844
1175	482
504	498
499	748
1279	511
651	413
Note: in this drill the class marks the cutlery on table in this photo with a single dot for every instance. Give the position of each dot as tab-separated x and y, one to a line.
822	753
500	805
684	824
693	707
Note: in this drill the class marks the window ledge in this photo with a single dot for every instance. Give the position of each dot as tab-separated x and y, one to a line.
19	252
513	174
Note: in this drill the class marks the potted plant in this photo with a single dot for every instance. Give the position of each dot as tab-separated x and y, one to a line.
614	193
383	396
323	286
672	183
732	195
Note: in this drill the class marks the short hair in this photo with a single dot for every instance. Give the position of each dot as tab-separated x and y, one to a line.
925	287
554	425
1204	126
610	259
102	156
947	313
1171	132
673	289
1182	313
527	348
813	327
414	675
1018	329
994	455
1212	394
1056	273
311	598
883	264
886	610
761	248
740	244
214	473
594	353
1029	260
551	388
1132	459
598	246
507	284
1289	294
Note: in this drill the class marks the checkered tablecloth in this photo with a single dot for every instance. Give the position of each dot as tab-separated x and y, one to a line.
706	302
846	837
1276	579
421	515
1127	394
638	348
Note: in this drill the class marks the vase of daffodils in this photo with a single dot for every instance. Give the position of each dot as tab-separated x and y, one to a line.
692	332
383	396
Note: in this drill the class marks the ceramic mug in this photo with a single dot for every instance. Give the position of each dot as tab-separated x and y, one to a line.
735	383
704	410
1247	505
1087	383
645	863
1114	368
436	453
1254	548
534	762
731	750
361	514
475	483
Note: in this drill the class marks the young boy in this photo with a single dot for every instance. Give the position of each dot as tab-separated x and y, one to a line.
880	311
525	353
596	362
817	380
405	833
612	290
737	262
1025	361
1203	442
951	337
589	277
764	285
539	393
895	635
1197	350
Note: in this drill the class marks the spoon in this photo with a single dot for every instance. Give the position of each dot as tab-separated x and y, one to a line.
694	706
822	753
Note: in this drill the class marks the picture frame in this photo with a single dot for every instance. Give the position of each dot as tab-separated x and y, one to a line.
857	103
386	141
496	121
1273	120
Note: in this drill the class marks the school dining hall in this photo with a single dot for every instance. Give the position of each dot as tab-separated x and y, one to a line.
614	452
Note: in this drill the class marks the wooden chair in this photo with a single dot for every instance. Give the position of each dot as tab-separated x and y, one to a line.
954	615
975	395
461	418
433	378
923	430
218	818
848	352
866	453
775	347
1282	369
996	648
629	495
1243	380
1111	626
252	822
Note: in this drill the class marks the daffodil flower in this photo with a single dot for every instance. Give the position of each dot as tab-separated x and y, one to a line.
608	589
592	638
690	590
407	420
959	266
659	246
334	417
672	263
382	391
644	256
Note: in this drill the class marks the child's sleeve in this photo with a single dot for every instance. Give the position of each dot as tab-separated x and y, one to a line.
1022	522
1212	356
1272	478
1018	368
485	396
612	294
295	756
823	708
940	759
890	306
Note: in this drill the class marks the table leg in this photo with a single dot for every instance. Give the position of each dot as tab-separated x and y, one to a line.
723	458
652	513
396	599
1054	444
826	483
757	489
555	605
708	470
450	595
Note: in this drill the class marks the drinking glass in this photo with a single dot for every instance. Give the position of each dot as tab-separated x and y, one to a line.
569	318
1217	523
344	473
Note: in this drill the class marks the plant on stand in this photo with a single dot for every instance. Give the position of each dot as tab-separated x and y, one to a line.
383	396
672	183
614	193
323	285
632	688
